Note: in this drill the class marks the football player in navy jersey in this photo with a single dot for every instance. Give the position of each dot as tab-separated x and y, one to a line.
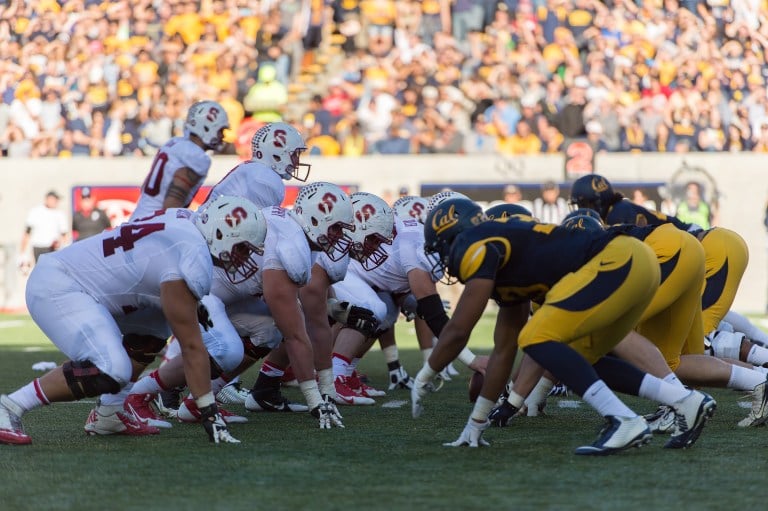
726	252
589	301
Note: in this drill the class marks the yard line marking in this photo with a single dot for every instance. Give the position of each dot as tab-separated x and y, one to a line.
569	403
394	404
12	323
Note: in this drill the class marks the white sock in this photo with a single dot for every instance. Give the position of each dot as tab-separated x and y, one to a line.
744	325
340	365
515	399
117	398
30	396
353	366
391	354
602	399
426	353
660	391
147	385
673	379
539	393
743	378
757	355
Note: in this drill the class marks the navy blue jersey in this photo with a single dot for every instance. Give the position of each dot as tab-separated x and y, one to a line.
627	212
525	259
636	231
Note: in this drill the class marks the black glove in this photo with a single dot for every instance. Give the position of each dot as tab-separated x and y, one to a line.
502	414
359	318
215	426
203	317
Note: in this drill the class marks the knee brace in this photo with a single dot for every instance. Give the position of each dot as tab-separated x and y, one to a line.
430	309
86	380
143	348
726	344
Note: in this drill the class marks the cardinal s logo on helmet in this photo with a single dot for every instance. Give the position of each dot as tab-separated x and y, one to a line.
326	203
365	213
281	138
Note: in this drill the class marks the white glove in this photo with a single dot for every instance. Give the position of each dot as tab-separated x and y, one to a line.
419	391
327	414
472	435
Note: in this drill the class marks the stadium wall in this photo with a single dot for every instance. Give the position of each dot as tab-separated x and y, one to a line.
742	181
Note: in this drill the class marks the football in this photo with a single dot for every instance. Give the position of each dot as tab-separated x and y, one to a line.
475	385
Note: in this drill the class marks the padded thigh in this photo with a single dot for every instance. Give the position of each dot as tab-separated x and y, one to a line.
355	291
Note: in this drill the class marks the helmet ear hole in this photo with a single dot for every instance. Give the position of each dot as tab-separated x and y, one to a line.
219	234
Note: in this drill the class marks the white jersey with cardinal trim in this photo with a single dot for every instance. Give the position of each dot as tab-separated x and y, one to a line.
251	180
405	254
123	268
177	153
285	248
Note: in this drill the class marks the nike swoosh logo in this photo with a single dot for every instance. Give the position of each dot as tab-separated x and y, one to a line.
605	263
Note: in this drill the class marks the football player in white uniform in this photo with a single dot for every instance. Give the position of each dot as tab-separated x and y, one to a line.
182	164
277	149
163	263
315	229
395	270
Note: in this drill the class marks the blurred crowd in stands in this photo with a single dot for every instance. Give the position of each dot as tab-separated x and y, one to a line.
115	78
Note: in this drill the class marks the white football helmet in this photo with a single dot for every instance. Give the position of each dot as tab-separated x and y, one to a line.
279	146
324	210
411	206
443	196
207	120
374	225
234	229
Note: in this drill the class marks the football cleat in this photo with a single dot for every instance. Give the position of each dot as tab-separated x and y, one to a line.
362	388
399	379
11	428
348	396
188	412
618	434
119	422
444	375
662	420
559	390
272	400
231	395
141	406
758	415
691	414
451	370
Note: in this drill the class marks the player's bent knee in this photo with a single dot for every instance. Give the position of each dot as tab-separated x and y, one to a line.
84	379
143	348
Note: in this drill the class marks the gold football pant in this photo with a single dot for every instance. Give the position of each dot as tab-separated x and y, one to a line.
593	308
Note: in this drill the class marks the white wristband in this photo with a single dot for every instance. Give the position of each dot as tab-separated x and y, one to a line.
205	400
311	393
466	357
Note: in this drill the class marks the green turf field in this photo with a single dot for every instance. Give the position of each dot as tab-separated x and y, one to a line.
382	460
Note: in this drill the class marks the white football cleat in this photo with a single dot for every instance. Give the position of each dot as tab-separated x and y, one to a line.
103	421
618	434
11	428
758	415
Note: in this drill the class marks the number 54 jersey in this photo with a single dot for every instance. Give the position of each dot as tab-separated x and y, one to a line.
123	268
